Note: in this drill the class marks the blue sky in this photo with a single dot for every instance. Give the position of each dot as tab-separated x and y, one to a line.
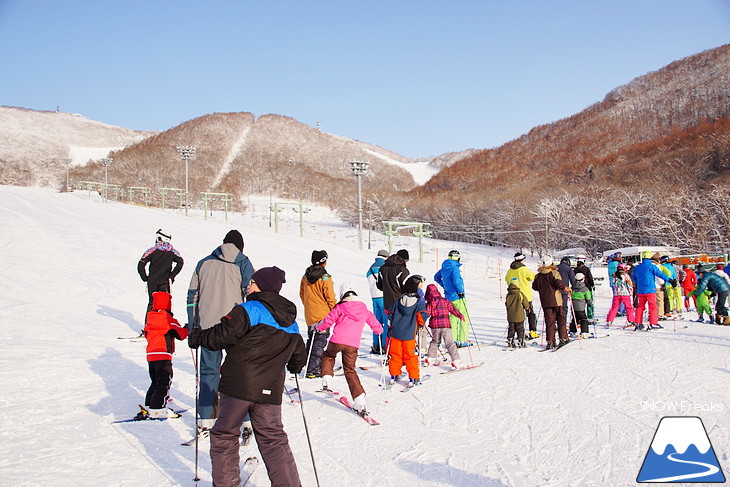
416	77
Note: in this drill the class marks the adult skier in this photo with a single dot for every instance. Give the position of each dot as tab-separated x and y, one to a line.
645	275
719	286
524	280
393	274
449	278
379	341
165	264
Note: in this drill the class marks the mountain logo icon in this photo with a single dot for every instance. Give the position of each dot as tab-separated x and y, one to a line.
681	452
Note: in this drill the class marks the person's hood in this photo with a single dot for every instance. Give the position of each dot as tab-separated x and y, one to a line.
546	269
394	259
227	252
354	309
161	300
450	264
513	289
432	291
314	273
516	264
283	310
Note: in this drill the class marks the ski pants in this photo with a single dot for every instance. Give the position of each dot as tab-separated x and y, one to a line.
444	335
210	365
555	318
315	348
686	298
403	352
531	318
581	318
516	328
270	437
720	308
349	357
703	306
659	303
617	300
649	300
460	328
161	379
675	298
380	341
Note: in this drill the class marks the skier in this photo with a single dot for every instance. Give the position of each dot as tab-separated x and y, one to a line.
218	283
160	330
613	261
567	275
720	272
165	264
439	310
673	292
406	315
645	275
702	303
379	341
590	284
718	285
317	293
524	278
349	317
391	277
623	291
582	298
449	278
262	341
550	287
516	303
689	282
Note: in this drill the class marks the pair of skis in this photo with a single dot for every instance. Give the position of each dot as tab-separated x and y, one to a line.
345	402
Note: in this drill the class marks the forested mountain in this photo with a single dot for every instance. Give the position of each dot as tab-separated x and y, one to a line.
648	164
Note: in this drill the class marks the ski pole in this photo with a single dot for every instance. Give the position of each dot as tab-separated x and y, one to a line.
197	386
311	347
443	355
468	317
306	429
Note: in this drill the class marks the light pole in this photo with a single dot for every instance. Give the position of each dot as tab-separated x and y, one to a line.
358	169
106	162
545	206
186	153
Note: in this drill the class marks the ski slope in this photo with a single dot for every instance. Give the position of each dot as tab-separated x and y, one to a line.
584	416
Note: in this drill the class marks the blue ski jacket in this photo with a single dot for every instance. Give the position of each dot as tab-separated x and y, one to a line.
644	275
449	278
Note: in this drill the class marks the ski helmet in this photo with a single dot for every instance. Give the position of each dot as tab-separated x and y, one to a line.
547	261
454	255
162	236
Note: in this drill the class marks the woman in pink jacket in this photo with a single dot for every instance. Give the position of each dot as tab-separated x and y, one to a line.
349	317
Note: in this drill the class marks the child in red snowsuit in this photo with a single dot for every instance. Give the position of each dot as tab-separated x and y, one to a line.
161	329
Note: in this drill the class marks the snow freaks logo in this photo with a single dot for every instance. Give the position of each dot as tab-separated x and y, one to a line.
681	452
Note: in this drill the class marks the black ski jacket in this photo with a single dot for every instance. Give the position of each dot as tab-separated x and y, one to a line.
161	258
393	274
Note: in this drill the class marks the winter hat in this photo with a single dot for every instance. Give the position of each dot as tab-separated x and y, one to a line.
162	236
656	256
455	255
547	261
161	300
719	267
519	256
269	279
319	257
411	284
403	254
383	253
579	276
234	237
347	289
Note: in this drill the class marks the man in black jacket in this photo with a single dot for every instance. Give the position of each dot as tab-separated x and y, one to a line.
393	274
161	258
261	339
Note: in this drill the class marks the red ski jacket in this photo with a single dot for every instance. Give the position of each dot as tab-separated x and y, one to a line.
161	328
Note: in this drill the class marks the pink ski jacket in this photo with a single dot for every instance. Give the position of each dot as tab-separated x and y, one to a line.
349	318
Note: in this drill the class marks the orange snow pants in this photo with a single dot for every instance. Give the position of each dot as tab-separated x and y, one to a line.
403	352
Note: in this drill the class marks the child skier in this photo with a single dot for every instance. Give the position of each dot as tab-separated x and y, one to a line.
702	301
349	316
581	298
406	315
439	308
160	329
623	291
516	303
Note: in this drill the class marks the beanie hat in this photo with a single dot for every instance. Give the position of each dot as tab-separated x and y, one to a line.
234	237
579	276
269	279
347	289
519	256
319	257
547	261
403	254
383	253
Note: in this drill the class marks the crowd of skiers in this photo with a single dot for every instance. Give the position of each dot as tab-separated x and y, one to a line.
233	307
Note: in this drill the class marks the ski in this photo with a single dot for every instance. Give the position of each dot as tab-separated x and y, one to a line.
131	338
345	402
468	367
292	394
408	386
138	419
328	392
562	346
249	466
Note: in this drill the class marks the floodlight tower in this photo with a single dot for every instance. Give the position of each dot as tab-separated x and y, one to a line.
358	169
106	162
186	153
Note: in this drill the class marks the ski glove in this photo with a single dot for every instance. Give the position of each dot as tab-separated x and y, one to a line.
194	338
673	282
461	295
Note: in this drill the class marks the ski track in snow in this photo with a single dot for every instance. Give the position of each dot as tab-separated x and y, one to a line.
523	419
228	162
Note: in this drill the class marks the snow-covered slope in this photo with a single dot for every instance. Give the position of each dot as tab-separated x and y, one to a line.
584	416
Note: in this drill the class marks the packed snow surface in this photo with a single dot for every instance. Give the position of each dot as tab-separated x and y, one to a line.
584	416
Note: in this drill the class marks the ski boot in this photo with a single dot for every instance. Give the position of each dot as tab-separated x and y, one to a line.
521	342
142	414
510	343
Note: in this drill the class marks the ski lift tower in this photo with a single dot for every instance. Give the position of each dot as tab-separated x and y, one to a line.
420	230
